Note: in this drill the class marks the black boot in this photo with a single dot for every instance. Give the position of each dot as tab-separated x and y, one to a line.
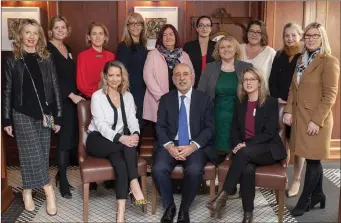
318	196
311	180
248	217
63	160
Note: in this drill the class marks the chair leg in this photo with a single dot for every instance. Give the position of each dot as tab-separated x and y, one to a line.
220	186
144	191
85	202
277	196
280	205
212	194
153	199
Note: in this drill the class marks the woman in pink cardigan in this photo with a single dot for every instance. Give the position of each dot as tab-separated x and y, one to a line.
158	69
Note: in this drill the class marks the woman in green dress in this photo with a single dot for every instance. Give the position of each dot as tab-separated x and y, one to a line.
220	80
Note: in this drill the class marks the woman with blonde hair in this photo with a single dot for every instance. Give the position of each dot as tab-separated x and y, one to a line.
255	141
132	52
31	108
90	62
59	29
220	80
283	69
312	94
114	132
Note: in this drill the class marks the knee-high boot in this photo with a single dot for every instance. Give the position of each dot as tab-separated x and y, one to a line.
63	158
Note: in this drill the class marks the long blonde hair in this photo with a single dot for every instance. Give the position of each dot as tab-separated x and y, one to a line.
234	43
262	91
18	49
124	86
325	46
126	37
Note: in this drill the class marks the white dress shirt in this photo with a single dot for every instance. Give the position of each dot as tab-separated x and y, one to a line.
103	115
187	102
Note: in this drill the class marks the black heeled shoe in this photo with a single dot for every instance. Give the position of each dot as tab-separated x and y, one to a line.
301	208
57	179
318	198
248	217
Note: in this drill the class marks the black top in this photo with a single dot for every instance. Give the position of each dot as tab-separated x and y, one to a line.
66	71
133	58
281	75
192	48
171	84
30	105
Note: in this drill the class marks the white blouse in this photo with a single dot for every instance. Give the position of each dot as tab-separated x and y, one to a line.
262	62
103	115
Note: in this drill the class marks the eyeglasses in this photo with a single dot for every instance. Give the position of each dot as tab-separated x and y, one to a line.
314	36
135	24
202	26
246	80
254	33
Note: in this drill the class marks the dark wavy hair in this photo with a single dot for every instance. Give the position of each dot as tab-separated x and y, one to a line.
264	35
160	36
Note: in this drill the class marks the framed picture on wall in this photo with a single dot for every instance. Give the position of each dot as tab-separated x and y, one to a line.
155	18
10	19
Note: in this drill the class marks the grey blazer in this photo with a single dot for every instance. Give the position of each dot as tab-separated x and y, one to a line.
209	76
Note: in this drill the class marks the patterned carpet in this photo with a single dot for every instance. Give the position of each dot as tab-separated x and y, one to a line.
102	207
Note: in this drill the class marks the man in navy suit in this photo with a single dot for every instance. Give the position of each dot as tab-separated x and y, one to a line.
184	131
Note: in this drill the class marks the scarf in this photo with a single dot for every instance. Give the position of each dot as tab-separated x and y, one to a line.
306	60
171	56
291	51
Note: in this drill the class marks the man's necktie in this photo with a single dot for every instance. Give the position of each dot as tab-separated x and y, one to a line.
183	124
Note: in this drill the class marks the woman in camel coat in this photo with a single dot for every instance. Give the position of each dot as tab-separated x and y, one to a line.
312	94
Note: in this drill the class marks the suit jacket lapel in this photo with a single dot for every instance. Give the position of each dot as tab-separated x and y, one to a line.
174	107
311	67
259	119
242	113
192	110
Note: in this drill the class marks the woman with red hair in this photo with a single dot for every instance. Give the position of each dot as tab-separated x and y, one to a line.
158	69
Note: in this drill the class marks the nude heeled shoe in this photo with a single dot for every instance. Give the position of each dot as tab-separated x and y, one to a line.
294	189
51	208
28	200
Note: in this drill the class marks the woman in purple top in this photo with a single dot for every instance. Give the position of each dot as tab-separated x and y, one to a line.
255	139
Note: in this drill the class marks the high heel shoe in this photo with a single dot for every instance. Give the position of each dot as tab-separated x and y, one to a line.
216	205
51	208
136	202
318	198
28	200
294	189
57	179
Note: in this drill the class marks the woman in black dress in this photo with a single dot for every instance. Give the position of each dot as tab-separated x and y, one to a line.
65	66
283	68
132	52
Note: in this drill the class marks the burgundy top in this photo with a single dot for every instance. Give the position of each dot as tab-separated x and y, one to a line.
250	119
203	62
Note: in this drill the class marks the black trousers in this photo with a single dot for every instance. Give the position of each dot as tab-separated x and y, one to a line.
243	170
163	165
122	158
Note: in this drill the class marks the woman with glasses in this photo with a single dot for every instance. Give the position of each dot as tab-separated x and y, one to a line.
132	52
200	50
158	69
255	50
312	94
255	141
283	68
220	80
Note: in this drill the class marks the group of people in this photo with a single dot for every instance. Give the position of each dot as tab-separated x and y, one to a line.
206	100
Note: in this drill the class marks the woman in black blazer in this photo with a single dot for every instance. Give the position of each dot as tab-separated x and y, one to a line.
200	50
283	68
255	140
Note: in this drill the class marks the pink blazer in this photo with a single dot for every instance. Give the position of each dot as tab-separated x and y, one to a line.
155	75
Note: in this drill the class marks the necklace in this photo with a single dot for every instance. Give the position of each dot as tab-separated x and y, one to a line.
226	69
